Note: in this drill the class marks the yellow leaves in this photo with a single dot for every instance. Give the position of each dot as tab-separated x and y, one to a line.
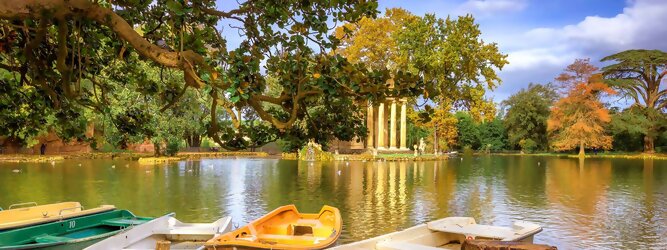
317	75
372	40
390	82
214	75
580	115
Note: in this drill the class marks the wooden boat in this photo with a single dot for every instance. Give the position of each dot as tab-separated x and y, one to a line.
165	231
72	233
18	215
447	233
284	228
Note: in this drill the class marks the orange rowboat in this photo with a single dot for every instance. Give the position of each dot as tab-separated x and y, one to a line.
284	228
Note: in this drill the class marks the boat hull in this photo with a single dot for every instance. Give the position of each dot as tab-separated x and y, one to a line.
422	237
284	228
73	233
179	235
35	215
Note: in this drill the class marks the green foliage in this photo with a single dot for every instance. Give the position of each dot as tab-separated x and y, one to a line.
492	135
468	132
173	146
526	114
630	126
528	145
638	75
450	55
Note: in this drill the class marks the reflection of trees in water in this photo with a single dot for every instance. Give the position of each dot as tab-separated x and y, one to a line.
525	180
382	197
577	183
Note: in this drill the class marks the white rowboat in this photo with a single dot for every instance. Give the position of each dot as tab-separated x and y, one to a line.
447	233
166	229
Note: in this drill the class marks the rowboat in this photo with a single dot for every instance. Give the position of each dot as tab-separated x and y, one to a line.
72	233
447	233
21	215
165	231
284	228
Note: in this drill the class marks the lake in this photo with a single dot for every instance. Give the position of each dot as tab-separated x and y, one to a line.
594	203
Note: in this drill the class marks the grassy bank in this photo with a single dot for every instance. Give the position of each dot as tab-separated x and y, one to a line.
148	157
619	155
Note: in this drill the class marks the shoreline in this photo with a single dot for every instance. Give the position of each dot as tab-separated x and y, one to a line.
656	156
147	158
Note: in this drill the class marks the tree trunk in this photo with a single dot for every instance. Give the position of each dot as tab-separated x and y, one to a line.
156	148
582	152
648	144
435	140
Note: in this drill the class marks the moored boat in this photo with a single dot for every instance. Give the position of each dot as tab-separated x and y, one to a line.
447	233
20	215
72	233
284	228
165	231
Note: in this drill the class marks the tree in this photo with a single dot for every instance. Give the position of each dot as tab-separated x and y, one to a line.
442	123
452	60
638	75
373	41
468	132
629	126
61	47
579	119
492	135
526	113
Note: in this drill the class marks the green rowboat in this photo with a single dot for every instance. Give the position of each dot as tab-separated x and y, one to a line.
72	233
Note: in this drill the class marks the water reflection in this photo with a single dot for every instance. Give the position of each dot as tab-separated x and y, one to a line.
594	203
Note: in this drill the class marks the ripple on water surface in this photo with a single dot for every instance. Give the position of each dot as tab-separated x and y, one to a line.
595	204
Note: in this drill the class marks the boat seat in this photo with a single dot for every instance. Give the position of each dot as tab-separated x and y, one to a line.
284	238
398	245
51	239
122	222
468	227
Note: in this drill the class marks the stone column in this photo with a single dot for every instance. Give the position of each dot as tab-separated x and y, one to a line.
371	127
404	128
381	126
392	129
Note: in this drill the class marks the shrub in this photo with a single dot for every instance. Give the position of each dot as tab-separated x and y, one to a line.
173	146
527	145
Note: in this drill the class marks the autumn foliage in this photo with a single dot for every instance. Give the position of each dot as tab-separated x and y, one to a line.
578	119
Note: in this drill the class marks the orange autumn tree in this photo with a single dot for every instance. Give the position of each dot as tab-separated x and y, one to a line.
578	119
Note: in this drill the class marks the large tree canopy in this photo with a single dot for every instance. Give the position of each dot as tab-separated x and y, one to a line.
526	114
56	46
639	75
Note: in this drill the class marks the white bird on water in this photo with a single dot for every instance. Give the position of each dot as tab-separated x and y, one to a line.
16	171
113	166
79	164
338	172
53	163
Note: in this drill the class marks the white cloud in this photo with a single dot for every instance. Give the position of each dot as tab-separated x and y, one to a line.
538	55
490	7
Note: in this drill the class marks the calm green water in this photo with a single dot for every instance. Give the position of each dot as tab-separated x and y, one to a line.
598	203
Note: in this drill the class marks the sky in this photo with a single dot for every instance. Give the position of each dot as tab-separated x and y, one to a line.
541	37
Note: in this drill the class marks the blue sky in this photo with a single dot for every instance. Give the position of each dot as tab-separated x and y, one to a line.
541	37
